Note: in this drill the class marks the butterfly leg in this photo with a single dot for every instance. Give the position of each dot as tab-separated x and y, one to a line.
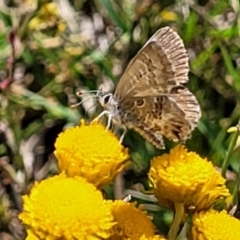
109	121
123	135
100	115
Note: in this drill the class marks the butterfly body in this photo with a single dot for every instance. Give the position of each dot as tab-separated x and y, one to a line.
151	97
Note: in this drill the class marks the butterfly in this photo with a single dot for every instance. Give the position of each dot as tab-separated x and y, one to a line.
151	97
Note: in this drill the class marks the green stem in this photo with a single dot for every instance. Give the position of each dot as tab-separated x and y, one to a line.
175	227
236	188
229	153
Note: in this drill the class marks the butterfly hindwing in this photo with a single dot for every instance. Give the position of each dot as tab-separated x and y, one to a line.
154	117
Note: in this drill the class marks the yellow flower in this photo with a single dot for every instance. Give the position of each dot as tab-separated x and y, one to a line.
167	15
132	222
91	152
47	16
66	208
213	225
186	178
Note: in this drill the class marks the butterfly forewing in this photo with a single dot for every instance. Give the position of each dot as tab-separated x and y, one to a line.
161	64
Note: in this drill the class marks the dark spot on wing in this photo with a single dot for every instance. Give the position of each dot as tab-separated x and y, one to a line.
176	89
140	102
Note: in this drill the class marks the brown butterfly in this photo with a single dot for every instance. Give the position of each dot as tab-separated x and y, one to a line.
150	96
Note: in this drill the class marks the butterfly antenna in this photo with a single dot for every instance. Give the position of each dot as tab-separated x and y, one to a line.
84	100
81	93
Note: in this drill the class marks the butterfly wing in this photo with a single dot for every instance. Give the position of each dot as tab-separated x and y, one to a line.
188	103
160	65
154	117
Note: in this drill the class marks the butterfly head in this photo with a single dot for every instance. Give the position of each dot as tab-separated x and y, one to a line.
105	99
109	103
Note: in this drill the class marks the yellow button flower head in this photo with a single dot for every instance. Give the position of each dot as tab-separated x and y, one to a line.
66	208
132	222
91	152
213	225
186	178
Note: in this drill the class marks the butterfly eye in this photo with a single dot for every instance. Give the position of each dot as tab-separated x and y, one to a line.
106	99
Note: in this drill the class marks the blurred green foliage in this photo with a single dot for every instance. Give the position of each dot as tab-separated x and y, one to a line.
49	50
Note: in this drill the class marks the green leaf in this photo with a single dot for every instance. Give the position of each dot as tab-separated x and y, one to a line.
116	16
6	19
